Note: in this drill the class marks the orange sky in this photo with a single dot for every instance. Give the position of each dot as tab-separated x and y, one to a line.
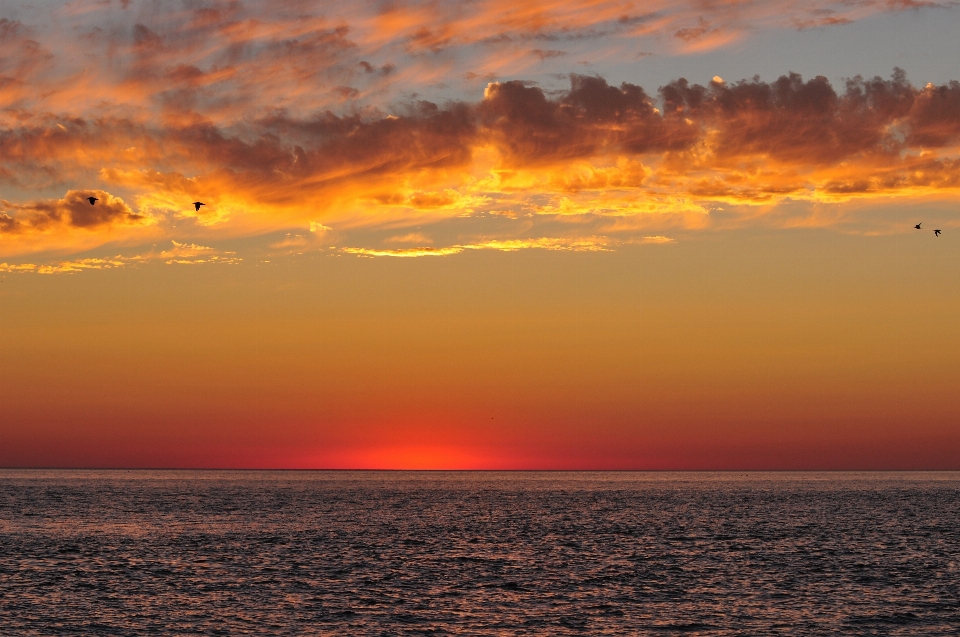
494	235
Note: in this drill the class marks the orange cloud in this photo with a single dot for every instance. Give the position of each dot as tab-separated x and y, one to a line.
73	211
585	244
187	253
179	254
595	149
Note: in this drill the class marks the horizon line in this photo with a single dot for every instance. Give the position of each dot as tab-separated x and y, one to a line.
427	470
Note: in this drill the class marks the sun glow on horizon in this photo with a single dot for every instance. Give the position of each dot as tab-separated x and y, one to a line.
418	458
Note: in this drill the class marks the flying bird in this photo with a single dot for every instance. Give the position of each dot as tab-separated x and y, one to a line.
92	200
197	204
936	232
918	226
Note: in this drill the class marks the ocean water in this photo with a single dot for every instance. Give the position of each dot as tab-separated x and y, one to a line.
488	553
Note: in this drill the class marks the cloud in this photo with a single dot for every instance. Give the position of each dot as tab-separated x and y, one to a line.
75	265
586	244
404	252
17	267
594	149
82	264
449	199
546	54
228	63
592	119
73	211
179	254
185	250
191	253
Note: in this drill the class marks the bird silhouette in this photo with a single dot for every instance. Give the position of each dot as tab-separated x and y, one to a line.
936	232
918	226
92	200
197	204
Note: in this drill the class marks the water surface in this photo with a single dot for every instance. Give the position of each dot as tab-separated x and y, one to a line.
478	553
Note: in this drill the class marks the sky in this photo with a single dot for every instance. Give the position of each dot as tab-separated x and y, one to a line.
480	235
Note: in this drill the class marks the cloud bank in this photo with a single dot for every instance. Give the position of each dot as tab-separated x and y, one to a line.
280	117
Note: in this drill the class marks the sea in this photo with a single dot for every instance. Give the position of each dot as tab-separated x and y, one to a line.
478	553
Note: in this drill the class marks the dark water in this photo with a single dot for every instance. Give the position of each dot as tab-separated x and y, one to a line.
340	553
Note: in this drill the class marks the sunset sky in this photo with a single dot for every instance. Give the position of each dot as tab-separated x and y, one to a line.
481	234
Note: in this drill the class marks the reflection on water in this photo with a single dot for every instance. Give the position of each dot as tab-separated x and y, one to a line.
385	553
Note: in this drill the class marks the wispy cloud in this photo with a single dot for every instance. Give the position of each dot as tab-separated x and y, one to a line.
178	254
657	239
191	253
77	265
591	244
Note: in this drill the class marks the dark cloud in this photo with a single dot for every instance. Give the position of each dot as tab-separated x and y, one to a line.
793	121
498	39
689	34
545	54
347	92
434	41
592	118
796	121
828	21
789	120
146	41
934	118
72	211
